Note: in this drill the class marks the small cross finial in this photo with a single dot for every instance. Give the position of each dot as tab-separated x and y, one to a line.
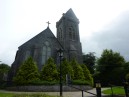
48	23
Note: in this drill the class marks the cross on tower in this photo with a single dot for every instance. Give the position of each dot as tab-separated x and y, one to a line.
48	23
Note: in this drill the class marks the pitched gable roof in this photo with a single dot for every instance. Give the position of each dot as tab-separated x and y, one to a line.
47	33
71	15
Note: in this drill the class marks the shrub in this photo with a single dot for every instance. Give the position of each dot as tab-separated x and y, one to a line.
3	84
27	73
44	83
81	82
87	75
66	69
77	69
49	71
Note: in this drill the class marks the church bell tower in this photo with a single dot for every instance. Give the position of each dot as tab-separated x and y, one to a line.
68	36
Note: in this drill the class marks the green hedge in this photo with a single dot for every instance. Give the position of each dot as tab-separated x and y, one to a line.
73	82
44	83
81	82
2	84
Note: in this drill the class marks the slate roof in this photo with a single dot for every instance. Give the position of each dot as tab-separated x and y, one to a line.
71	15
47	33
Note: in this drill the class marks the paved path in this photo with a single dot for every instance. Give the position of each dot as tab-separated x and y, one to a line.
65	94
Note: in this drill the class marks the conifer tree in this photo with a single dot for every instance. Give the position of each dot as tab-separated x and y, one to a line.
87	74
27	73
77	69
49	71
67	69
4	68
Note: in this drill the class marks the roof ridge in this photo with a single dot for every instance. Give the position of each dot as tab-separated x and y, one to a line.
36	36
71	15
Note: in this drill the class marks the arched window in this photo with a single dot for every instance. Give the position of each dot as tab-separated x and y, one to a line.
27	55
60	34
46	52
72	35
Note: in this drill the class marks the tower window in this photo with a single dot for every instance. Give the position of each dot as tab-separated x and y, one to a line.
70	29
60	34
72	35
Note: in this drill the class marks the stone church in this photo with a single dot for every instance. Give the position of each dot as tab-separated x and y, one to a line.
45	44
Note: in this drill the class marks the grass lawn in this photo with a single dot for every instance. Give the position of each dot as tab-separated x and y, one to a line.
116	90
6	94
24	95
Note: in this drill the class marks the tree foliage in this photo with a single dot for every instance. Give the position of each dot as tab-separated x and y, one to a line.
89	60
110	67
109	60
49	71
27	73
66	69
77	69
87	74
4	68
126	71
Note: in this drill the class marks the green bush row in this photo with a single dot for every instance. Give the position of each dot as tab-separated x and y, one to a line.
81	82
2	84
28	73
44	83
73	82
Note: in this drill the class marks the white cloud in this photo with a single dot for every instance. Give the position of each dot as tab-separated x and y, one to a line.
115	36
23	19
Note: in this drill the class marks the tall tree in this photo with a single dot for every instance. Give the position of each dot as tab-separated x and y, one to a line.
4	68
66	69
89	60
87	74
77	69
110	67
27	73
49	71
126	71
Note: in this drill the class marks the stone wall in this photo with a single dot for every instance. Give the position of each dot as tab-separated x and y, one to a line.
55	88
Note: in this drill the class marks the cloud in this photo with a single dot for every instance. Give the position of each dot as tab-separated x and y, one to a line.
114	36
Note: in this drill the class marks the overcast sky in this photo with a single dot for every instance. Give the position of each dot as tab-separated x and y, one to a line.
104	24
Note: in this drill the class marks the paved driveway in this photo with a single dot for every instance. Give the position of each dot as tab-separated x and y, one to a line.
65	94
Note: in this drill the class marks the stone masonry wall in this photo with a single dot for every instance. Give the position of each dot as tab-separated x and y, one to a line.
55	88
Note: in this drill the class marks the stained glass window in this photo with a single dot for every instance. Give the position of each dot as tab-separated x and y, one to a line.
46	52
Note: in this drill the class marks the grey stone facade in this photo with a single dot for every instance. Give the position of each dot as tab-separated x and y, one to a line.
45	44
68	35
